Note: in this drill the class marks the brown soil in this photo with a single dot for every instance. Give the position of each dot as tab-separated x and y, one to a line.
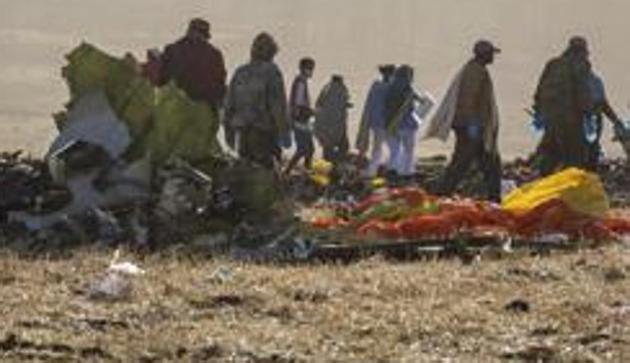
564	307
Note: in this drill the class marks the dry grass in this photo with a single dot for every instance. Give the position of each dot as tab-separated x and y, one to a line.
372	311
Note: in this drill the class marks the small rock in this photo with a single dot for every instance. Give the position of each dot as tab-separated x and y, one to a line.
593	338
614	274
311	295
545	331
518	306
532	353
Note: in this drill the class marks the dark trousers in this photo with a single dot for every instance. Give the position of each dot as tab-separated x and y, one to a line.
595	149
467	152
305	149
336	153
563	153
258	146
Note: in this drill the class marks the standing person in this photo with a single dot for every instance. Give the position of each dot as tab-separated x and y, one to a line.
331	119
256	105
601	108
470	110
301	113
373	120
195	65
402	120
562	101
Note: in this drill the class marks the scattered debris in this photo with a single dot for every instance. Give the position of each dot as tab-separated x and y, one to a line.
111	287
222	275
117	282
540	275
123	268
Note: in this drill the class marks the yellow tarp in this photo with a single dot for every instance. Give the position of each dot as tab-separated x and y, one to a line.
581	190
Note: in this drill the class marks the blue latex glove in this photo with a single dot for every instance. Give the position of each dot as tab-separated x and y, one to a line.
473	130
285	141
538	122
590	127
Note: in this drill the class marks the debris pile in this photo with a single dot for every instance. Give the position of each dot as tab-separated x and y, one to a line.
571	203
412	214
141	165
25	184
117	283
614	173
132	164
186	205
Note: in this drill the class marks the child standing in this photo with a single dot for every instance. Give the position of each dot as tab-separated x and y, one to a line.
301	113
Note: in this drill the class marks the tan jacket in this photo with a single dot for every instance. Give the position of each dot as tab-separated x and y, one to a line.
476	98
470	95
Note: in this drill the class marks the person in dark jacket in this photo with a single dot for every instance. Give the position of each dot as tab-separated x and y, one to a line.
256	106
331	120
195	65
562	101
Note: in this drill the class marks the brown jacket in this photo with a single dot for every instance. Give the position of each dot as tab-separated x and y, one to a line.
475	101
196	67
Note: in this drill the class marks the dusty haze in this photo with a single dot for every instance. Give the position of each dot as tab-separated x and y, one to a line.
349	37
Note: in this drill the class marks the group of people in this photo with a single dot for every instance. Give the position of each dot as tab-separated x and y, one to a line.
392	116
259	118
330	114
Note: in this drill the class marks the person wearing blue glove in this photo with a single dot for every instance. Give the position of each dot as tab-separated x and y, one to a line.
601	108
285	141
564	97
475	126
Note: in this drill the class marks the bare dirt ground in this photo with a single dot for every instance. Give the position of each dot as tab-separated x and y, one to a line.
560	308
